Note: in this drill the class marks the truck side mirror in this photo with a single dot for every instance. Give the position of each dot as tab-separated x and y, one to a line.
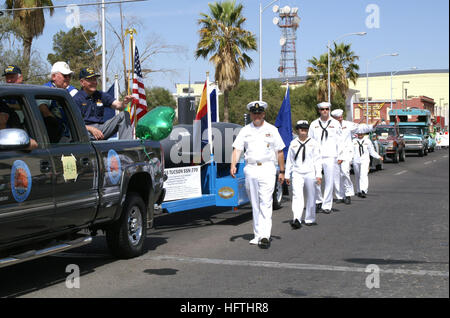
14	139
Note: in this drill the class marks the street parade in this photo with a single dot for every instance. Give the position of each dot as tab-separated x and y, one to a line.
194	167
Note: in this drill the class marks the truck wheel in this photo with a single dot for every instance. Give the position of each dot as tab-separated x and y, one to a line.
403	155
277	195
421	153
425	152
126	236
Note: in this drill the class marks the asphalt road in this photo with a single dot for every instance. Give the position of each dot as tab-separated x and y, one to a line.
395	241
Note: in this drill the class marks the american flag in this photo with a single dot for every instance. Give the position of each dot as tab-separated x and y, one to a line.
139	107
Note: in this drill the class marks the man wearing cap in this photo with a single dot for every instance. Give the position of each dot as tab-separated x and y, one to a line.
363	149
328	133
343	186
60	78
92	102
304	168
13	74
263	149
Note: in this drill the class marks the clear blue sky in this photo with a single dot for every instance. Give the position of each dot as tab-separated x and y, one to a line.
418	30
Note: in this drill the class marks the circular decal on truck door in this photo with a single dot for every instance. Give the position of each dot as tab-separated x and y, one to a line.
20	181
114	168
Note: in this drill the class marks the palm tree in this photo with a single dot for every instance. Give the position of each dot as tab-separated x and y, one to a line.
343	68
225	41
346	60
31	22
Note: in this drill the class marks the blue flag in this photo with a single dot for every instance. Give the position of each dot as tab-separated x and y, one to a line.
284	123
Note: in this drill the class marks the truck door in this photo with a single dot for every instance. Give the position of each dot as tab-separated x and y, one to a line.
26	190
74	163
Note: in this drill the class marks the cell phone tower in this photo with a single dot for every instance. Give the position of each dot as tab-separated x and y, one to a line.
288	21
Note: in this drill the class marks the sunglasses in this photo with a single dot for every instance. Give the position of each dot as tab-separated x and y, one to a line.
324	109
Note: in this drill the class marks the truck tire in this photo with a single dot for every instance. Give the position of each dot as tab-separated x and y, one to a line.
403	155
126	236
277	195
421	153
425	152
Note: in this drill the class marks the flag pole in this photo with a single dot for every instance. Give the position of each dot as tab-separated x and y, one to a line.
208	105
131	109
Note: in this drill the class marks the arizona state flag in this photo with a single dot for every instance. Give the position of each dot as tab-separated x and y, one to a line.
200	124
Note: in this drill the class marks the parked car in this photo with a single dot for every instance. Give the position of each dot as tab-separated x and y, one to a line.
394	143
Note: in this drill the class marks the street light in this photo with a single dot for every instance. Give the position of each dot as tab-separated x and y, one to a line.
328	46
367	80
403	93
392	74
261	10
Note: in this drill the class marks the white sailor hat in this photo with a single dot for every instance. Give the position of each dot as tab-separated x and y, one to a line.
257	106
302	124
337	112
324	105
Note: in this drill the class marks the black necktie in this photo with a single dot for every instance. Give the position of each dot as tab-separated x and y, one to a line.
324	130
361	149
302	146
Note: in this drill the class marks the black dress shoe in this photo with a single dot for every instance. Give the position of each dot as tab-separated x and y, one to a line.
264	243
348	200
363	195
296	224
310	224
318	206
358	194
339	201
326	211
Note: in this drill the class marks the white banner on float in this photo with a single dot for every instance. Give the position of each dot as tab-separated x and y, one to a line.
183	183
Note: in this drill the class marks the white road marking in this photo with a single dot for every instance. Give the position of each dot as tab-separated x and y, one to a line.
427	162
445	156
295	266
401	172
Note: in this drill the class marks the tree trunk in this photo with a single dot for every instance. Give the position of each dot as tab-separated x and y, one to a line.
27	42
226	116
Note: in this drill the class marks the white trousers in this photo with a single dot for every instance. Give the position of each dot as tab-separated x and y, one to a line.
362	175
304	184
344	186
328	166
260	184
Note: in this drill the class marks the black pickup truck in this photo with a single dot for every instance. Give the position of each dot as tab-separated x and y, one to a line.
57	195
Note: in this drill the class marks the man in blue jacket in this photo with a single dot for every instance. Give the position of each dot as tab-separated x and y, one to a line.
92	103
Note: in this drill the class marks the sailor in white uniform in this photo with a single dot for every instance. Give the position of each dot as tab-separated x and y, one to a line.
363	149
343	186
327	132
303	171
263	149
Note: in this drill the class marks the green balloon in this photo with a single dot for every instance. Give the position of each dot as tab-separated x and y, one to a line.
157	124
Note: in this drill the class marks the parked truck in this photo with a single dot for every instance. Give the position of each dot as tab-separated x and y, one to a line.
61	193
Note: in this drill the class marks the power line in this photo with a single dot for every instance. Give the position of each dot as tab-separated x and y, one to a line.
70	5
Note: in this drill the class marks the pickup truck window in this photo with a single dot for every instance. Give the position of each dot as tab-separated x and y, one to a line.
13	106
59	126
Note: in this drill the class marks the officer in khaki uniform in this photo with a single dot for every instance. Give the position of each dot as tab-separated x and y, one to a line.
263	148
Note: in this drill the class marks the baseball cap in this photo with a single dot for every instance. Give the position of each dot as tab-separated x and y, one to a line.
88	73
12	69
61	67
